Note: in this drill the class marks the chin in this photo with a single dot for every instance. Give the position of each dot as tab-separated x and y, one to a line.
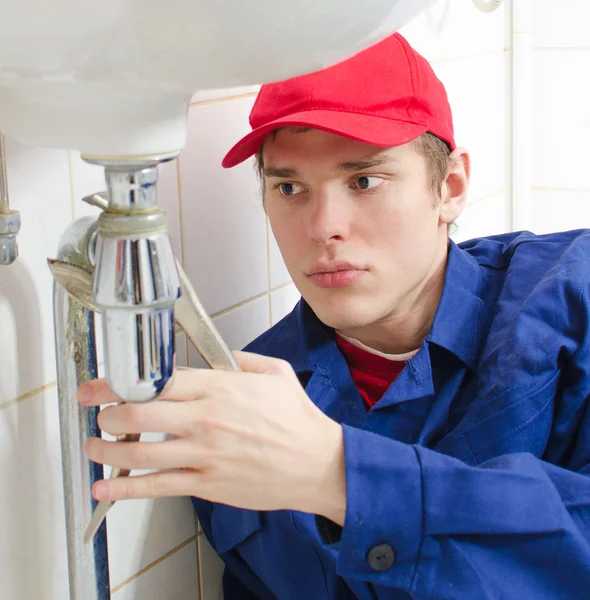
343	315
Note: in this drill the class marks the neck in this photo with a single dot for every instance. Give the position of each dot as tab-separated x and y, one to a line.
404	329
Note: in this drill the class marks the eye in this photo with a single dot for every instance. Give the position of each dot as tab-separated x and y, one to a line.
289	189
367	182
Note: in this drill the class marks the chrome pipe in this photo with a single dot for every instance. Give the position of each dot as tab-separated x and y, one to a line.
135	281
75	346
9	219
122	266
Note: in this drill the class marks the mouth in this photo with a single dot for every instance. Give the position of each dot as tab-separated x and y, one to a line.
336	274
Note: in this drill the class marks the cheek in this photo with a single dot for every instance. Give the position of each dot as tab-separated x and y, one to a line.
404	224
289	239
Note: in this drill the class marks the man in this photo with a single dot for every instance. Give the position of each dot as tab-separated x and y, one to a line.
419	426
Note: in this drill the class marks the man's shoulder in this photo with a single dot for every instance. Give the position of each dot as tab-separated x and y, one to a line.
282	340
534	255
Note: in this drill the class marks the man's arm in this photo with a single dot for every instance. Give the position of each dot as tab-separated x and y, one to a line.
513	527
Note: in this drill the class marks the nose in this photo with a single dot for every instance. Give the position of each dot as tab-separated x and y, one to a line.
330	217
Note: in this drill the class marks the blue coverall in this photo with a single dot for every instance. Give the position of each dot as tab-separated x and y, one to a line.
470	478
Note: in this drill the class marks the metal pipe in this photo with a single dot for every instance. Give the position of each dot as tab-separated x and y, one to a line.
121	265
135	281
76	363
9	219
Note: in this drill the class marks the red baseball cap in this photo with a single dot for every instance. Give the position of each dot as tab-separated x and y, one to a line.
386	95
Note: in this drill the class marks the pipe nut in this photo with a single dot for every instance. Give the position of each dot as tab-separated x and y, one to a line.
9	222
8	249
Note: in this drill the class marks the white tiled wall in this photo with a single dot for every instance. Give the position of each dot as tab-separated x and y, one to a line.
220	233
469	52
561	88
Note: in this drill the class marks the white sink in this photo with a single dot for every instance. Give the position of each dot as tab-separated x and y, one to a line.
113	78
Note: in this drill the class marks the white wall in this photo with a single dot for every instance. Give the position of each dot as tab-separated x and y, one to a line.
561	115
221	235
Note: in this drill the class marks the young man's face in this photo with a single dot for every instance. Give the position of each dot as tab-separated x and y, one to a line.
358	226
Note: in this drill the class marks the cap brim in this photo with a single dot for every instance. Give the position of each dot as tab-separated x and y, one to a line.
370	129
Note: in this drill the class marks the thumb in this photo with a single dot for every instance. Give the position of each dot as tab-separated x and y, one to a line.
257	363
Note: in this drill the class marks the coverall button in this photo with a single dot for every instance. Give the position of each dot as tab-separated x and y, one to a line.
381	557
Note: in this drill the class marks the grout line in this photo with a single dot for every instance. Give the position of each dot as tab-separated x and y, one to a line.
71	177
239	305
187	349
557	189
223	99
199	568
30	394
281	287
509	116
269	311
468	56
253	299
485	197
198	550
156	562
268	268
562	48
180	212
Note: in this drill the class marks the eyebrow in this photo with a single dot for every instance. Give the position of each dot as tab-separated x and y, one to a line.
283	173
346	167
368	163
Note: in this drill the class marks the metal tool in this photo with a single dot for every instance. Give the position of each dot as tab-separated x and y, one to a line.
190	316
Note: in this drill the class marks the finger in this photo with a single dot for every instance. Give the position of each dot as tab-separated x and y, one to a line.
187	384
157	417
170	454
258	363
196	384
96	393
154	485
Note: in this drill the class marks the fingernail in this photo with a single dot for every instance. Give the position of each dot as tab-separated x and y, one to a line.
84	394
100	491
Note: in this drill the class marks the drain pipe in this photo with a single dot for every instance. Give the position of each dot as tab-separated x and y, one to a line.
9	219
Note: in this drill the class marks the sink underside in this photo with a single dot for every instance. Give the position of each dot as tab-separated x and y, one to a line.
114	78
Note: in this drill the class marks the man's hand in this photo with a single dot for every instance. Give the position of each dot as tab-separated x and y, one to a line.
251	439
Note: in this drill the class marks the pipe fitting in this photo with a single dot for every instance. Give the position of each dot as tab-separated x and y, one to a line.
9	227
136	283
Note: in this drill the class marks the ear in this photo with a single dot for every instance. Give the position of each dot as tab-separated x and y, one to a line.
454	187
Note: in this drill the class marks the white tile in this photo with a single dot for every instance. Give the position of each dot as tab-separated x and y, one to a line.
168	201
141	531
222	216
455	28
277	269
477	93
211	569
238	327
175	578
181	350
32	529
488	217
282	302
219	94
39	186
562	119
557	210
563	23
